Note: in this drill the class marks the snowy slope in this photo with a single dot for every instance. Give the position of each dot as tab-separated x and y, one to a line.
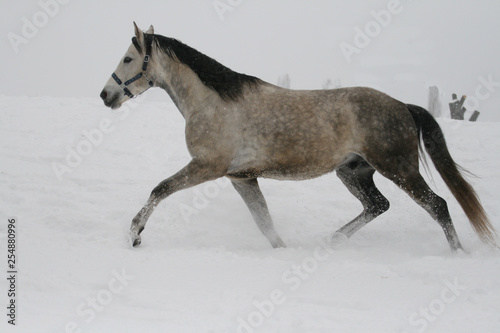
74	174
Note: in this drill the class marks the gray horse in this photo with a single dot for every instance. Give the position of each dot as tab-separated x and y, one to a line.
241	127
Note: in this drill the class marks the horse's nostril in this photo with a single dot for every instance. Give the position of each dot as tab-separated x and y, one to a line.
104	94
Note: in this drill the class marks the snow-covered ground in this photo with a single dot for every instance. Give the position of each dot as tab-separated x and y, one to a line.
74	173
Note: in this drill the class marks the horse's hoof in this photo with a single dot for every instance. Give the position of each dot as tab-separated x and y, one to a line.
460	250
135	240
278	244
338	239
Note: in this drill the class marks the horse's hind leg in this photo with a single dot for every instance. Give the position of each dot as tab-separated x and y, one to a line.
418	190
403	171
357	176
251	194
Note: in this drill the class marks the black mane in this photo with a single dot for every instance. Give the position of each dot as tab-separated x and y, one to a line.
227	83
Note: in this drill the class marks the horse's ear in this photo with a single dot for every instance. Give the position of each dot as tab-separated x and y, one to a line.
139	34
151	30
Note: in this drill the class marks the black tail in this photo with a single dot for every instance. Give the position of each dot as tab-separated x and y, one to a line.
435	145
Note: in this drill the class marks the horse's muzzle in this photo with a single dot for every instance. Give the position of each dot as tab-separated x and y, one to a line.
104	95
110	100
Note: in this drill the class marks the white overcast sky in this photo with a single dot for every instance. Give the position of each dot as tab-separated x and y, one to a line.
448	43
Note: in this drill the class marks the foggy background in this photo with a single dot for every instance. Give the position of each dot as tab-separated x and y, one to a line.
78	44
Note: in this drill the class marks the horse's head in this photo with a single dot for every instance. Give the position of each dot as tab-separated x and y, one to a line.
130	77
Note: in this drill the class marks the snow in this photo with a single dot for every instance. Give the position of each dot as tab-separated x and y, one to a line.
203	265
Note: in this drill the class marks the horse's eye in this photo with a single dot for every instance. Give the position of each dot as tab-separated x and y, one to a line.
127	60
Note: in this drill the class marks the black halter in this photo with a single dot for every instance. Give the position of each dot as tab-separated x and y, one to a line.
124	85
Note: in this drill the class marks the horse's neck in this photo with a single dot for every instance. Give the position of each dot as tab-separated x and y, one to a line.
183	85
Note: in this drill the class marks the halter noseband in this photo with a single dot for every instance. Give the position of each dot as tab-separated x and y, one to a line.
124	85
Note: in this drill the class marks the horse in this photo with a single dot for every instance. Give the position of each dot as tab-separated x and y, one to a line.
241	127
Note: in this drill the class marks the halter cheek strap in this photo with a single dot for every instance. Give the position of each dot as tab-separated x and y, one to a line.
124	85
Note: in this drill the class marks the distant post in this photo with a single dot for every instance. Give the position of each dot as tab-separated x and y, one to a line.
284	81
458	110
474	116
434	103
329	84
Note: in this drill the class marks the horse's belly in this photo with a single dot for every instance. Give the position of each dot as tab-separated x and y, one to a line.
295	174
291	167
285	172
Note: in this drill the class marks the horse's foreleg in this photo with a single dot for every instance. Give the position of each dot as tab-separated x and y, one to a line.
251	194
193	174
